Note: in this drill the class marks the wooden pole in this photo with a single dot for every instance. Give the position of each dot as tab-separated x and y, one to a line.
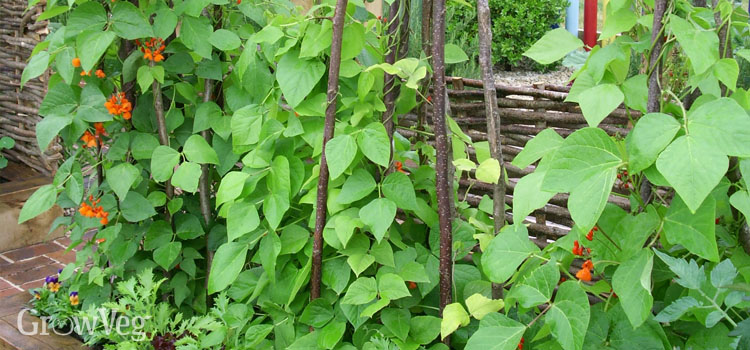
204	186
204	183
443	177
339	17
653	104
493	120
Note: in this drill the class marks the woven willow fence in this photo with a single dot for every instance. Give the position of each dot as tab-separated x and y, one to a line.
524	112
19	34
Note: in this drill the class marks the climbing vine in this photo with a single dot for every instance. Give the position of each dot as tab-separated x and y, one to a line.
247	173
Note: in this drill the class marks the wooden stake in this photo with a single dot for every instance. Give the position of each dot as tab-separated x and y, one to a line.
339	17
443	175
493	120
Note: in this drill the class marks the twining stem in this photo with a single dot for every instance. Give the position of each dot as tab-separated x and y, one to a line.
204	186
443	176
657	42
403	32
99	165
204	183
609	238
493	120
339	16
539	316
389	91
427	48
161	125
682	107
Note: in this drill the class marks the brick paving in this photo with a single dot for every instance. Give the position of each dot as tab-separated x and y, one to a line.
25	268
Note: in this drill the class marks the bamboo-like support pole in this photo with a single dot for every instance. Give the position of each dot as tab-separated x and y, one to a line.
339	17
443	177
492	120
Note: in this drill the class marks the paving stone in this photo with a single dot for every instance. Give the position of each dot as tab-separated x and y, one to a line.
32	251
35	274
4	284
25	265
9	292
65	241
33	284
62	256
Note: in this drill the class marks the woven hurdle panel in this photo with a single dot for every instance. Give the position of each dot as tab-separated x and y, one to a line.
19	34
524	112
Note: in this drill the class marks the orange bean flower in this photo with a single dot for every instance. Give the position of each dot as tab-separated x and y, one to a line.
76	62
577	248
152	49
89	140
100	74
100	130
119	105
584	275
94	210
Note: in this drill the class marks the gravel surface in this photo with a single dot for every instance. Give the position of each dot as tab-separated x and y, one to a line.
528	78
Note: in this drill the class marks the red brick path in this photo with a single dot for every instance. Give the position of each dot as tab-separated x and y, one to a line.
25	268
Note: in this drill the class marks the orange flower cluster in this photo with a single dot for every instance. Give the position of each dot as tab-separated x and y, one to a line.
584	274
100	240
100	74
152	49
520	344
412	285
89	140
590	235
94	210
400	167
100	130
579	249
85	73
76	62
119	105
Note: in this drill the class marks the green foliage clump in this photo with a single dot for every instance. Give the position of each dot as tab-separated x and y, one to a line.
5	142
516	25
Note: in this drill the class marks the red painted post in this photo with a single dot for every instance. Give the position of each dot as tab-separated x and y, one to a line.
590	8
